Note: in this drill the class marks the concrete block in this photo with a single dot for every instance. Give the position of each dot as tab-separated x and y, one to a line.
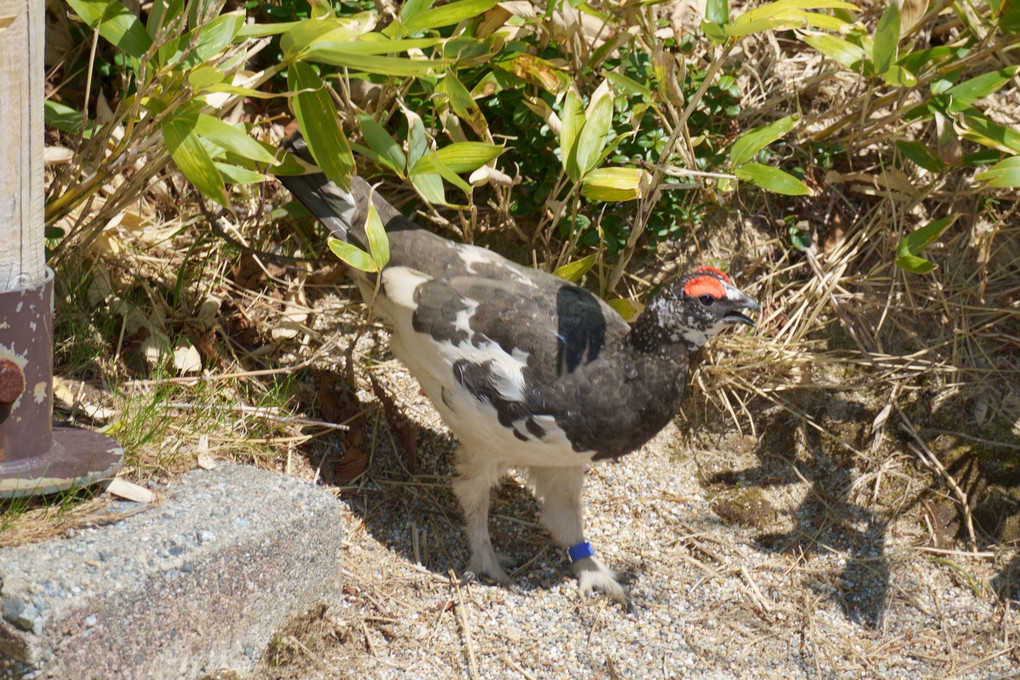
193	584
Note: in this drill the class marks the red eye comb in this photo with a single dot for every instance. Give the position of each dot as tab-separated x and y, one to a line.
714	270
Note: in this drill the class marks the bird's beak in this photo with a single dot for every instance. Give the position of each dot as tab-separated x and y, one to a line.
739	300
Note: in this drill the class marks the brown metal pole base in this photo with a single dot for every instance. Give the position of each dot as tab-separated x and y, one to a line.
35	456
76	458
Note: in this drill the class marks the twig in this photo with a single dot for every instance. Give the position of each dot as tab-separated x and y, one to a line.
930	460
368	640
754	591
958	553
216	223
472	661
611	669
189	380
509	662
294	642
267	412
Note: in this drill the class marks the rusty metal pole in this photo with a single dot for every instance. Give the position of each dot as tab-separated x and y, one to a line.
35	456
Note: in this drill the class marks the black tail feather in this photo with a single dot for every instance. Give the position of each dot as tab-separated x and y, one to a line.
342	212
335	208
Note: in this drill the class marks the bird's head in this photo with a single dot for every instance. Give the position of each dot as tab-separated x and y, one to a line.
695	307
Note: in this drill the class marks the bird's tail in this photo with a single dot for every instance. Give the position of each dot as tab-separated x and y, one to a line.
343	212
336	208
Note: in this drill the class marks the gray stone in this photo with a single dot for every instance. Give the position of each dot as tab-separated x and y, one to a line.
179	590
21	614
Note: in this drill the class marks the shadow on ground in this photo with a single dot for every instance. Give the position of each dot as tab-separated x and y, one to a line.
826	520
416	515
835	516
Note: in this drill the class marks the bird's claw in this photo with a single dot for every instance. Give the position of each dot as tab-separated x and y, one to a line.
593	576
492	565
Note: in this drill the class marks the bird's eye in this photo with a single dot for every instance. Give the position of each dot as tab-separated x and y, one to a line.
707	300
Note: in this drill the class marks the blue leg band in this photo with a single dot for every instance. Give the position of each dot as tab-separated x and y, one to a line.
580	551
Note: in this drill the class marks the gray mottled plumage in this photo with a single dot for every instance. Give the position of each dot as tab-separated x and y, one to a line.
527	369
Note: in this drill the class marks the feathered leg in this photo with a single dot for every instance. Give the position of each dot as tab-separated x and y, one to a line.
559	490
477	476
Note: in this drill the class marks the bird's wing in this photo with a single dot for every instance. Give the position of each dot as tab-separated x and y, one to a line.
545	356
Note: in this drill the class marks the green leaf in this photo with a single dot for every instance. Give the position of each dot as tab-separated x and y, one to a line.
615	184
571	124
210	39
1008	16
622	82
235	174
429	185
462	103
754	140
417	142
771	179
920	154
264	30
460	157
116	23
371	44
910	246
914	264
592	139
973	125
624	308
791	18
898	76
302	34
412	9
231	139
378	242
379	140
203	77
320	124
1005	173
799	238
844	53
781	7
981	157
824	21
448	174
325	53
887	38
969	91
352	255
927	58
463	157
786	13
573	271
163	15
717	12
714	32
447	15
66	119
192	158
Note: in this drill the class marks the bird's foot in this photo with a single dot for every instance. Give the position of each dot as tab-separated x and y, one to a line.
492	565
593	576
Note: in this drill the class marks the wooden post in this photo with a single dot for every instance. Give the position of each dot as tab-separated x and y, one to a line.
35	457
22	82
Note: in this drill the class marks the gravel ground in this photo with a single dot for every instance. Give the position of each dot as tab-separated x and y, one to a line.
822	589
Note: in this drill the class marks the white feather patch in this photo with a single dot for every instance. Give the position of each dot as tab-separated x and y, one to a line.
463	321
473	255
507	371
399	284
